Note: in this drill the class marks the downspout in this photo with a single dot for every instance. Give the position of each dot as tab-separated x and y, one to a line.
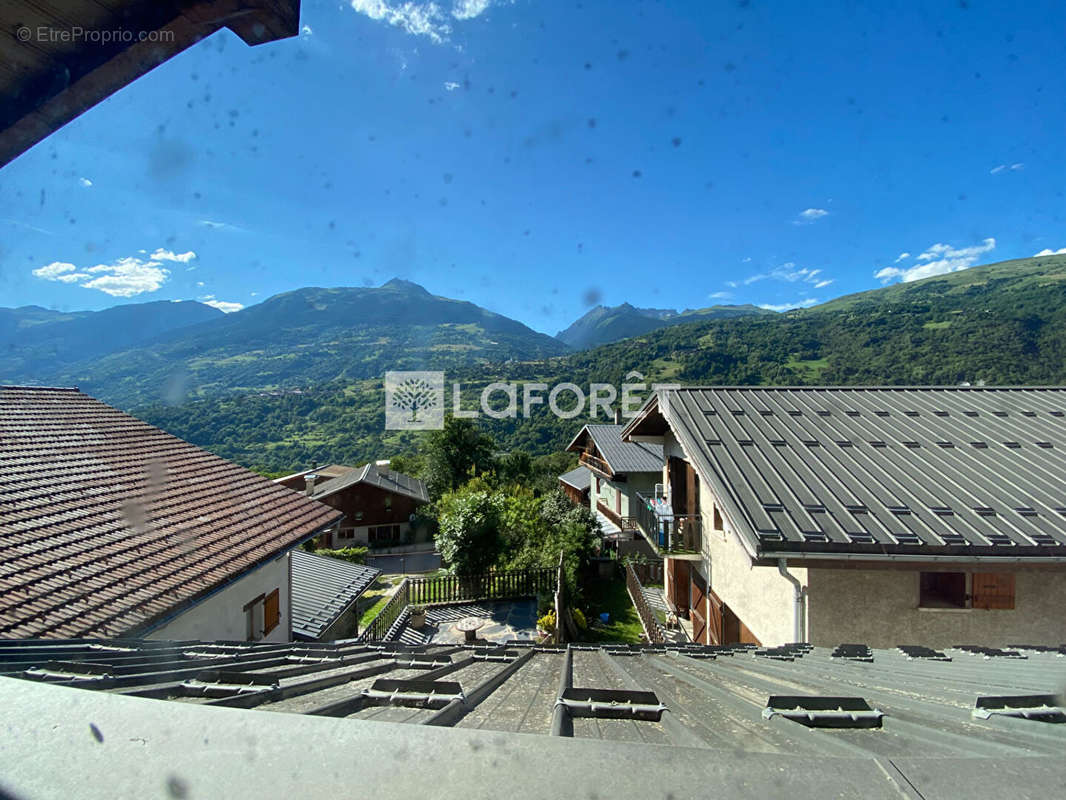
799	622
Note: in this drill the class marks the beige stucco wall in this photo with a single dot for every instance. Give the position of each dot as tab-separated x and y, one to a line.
759	596
638	482
880	608
222	615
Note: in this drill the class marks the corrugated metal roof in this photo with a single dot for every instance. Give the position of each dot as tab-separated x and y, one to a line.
968	472
107	523
580	478
622	457
322	589
387	479
713	699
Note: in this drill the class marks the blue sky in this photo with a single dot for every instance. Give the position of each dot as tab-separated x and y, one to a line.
539	157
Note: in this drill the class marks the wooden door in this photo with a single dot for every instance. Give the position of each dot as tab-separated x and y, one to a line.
679	586
714	619
697	604
678	485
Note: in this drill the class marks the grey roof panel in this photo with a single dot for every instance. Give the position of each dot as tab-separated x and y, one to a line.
882	469
322	588
387	479
580	478
624	457
714	697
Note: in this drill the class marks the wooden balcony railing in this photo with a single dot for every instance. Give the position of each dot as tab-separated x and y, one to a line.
648	620
669	533
596	463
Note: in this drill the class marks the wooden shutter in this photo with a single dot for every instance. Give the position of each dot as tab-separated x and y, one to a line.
993	590
271	611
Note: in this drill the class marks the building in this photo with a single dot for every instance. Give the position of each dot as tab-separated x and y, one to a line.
378	503
876	515
110	527
221	720
325	596
620	475
575	484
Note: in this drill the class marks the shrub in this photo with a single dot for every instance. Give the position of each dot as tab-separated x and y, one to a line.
579	619
547	622
355	555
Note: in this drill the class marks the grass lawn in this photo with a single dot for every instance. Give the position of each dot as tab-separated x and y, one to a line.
611	596
372	601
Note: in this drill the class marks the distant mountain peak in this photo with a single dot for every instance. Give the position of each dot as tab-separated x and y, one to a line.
401	283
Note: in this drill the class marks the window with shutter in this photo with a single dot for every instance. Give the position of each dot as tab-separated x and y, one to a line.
993	590
271	611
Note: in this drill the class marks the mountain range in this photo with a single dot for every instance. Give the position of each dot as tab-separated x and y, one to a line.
605	324
1000	323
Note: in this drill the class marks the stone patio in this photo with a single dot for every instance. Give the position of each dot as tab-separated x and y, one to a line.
504	620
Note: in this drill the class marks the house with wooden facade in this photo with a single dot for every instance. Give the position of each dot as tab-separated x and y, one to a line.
110	527
620	475
885	516
576	485
378	503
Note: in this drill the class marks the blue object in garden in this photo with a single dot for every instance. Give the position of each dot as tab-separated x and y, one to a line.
605	617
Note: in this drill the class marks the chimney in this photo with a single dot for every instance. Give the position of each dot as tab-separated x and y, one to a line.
310	477
618	415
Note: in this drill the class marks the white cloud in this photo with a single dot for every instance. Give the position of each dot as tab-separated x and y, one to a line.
125	277
169	255
1004	167
1047	252
902	256
810	215
85	182
215	225
720	295
427	19
306	32
806	302
746	259
938	259
787	273
451	86
200	284
468	9
221	305
823	284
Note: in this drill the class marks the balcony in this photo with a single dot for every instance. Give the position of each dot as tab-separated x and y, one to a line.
596	464
670	535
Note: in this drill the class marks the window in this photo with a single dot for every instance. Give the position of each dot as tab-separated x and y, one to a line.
943	590
993	590
383	534
718	524
271	611
388	503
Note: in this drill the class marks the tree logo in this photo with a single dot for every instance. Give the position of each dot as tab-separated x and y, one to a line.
414	401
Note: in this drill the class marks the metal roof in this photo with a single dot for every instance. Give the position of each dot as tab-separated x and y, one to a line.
108	524
968	473
622	457
739	700
386	479
580	478
322	589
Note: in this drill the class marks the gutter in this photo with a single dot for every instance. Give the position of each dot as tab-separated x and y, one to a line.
908	557
799	594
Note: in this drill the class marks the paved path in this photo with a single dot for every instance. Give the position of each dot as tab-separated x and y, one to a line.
504	620
654	596
405	563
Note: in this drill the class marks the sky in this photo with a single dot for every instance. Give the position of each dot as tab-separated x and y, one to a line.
539	157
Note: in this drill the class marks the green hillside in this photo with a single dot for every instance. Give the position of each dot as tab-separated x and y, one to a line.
1001	324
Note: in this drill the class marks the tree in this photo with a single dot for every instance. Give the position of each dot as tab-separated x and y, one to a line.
455	454
468	538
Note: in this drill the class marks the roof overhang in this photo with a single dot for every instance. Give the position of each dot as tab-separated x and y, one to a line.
649	425
58	65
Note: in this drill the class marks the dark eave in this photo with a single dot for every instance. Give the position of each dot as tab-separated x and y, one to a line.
49	76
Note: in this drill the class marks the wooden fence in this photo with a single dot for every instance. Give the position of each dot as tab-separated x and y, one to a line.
647	617
459	589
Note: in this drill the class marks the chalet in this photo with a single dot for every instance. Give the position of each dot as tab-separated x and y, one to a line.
575	485
110	527
876	515
621	474
378	503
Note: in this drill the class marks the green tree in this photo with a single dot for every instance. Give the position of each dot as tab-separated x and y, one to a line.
455	454
468	536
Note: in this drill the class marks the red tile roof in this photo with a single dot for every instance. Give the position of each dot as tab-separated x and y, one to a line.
108	524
